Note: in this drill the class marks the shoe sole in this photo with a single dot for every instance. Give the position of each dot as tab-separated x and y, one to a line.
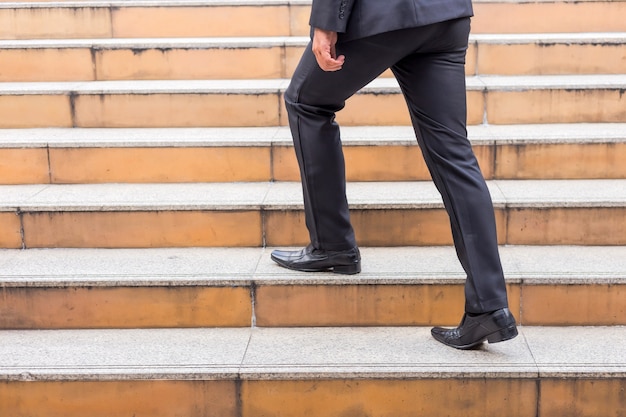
337	269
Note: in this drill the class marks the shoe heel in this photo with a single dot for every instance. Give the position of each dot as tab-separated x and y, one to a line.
351	269
503	334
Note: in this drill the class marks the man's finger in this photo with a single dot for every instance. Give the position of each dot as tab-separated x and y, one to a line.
327	62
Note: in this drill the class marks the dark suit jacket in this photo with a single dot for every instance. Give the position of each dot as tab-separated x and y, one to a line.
360	18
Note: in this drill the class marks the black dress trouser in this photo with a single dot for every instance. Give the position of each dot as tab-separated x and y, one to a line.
429	65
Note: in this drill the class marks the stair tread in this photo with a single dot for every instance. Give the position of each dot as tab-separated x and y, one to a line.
175	3
530	265
299	353
160	3
288	195
148	3
610	38
265	136
269	86
147	43
550	38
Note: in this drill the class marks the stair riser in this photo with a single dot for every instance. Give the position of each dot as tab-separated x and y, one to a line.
437	304
119	398
24	166
125	307
299	305
148	64
283	20
540	17
251	228
140	110
211	164
555	106
547	58
482	397
142	229
171	63
55	23
495	106
153	21
278	163
560	161
489	397
10	231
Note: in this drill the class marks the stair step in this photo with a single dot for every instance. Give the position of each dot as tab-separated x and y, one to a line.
550	212
315	372
155	18
277	57
212	103
237	287
154	176
548	16
545	53
193	18
77	155
145	59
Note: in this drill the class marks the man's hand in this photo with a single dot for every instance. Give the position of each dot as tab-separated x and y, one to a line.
324	50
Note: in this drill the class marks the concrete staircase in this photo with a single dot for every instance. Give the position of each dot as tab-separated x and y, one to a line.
147	173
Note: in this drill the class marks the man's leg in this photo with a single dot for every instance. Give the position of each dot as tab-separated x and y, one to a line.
312	99
433	82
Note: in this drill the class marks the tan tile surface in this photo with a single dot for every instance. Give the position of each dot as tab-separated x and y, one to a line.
137	22
105	399
46	64
10	236
389	397
125	307
24	166
55	23
176	110
35	111
142	229
206	164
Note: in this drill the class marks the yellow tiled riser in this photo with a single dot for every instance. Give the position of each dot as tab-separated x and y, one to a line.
80	64
137	22
129	22
564	105
425	305
83	64
299	305
278	163
477	397
533	59
252	228
125	307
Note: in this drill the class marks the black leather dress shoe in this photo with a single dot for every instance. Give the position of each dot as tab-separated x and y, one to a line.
493	327
310	259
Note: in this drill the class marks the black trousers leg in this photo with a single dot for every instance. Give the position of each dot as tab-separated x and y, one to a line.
433	83
429	65
312	99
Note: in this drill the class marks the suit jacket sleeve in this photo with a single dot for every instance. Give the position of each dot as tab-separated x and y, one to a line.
331	14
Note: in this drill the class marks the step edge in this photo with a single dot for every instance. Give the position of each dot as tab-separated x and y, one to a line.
253	267
506	194
278	86
573	133
244	42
